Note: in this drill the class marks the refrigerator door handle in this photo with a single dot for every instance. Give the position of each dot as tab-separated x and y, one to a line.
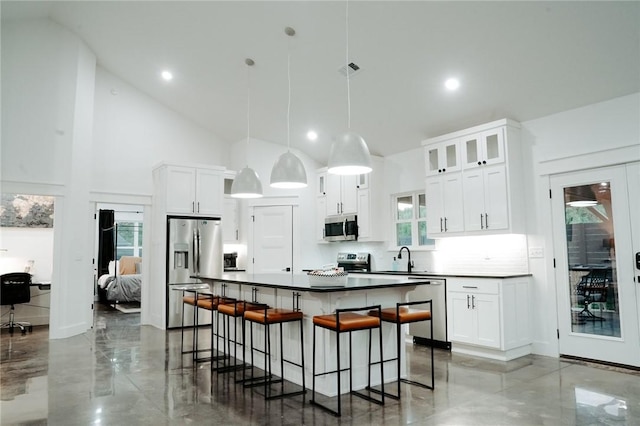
194	242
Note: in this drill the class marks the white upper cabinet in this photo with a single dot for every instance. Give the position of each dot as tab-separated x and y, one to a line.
442	157
191	190
483	148
444	205
342	194
361	195
483	192
486	199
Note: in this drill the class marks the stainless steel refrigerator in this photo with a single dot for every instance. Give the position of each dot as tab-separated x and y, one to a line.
194	249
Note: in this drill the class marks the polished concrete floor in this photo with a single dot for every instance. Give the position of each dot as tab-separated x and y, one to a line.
121	373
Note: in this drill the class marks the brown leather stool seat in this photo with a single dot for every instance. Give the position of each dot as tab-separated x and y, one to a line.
268	317
403	313
348	321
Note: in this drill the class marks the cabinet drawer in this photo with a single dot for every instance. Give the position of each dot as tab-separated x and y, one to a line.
486	286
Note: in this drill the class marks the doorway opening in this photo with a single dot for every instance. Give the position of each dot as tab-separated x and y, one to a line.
26	236
119	255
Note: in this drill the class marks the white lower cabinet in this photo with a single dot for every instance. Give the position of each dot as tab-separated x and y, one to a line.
489	317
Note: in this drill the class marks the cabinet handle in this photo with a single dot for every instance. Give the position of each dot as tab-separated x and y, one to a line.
236	234
337	208
486	221
444	170
440	224
445	225
484	161
479	163
198	206
473	302
468	305
469	286
193	206
341	208
481	224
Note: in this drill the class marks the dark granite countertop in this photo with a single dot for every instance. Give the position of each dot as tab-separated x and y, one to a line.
428	274
301	282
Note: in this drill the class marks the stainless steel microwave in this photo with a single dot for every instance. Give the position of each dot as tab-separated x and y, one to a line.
341	228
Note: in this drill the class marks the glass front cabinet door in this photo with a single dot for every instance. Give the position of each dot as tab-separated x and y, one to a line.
483	148
442	157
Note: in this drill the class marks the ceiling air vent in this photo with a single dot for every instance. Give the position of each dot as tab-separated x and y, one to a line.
352	68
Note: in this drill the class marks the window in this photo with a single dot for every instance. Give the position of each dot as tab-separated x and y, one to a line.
128	239
410	220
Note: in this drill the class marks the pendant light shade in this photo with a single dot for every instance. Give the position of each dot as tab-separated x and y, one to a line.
288	172
349	155
246	184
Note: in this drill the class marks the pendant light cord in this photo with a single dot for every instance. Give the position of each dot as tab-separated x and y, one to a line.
248	109
347	70
289	98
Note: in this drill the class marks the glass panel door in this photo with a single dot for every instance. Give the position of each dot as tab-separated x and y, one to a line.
591	254
592	228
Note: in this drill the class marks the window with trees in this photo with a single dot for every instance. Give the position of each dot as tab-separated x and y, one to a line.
410	220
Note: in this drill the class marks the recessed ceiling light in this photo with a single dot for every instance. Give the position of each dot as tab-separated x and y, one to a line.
312	135
166	75
452	84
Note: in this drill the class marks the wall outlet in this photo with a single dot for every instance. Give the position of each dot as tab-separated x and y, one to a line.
536	252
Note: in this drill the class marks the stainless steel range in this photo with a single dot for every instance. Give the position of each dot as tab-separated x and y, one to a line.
354	261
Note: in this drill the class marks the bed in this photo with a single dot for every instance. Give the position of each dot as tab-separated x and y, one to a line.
123	282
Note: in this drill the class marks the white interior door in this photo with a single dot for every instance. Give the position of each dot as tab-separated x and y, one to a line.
273	239
594	218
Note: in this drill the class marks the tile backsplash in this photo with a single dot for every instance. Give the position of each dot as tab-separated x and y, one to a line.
487	254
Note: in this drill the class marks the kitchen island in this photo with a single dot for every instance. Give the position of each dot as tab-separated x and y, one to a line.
278	290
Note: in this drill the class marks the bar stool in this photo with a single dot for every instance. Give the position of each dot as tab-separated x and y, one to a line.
343	321
399	316
191	300
268	317
235	309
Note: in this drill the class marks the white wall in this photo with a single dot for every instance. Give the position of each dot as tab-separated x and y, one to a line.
133	133
23	244
599	128
50	117
605	127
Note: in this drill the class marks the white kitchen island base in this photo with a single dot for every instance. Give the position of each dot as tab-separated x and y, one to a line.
277	290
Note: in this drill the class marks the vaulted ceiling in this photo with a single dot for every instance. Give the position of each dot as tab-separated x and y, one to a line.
520	60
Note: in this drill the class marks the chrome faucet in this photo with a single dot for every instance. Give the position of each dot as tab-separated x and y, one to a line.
409	263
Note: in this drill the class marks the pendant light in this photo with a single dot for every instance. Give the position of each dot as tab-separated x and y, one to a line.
349	154
247	183
288	171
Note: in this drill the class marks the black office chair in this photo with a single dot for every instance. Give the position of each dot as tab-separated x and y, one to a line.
15	289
